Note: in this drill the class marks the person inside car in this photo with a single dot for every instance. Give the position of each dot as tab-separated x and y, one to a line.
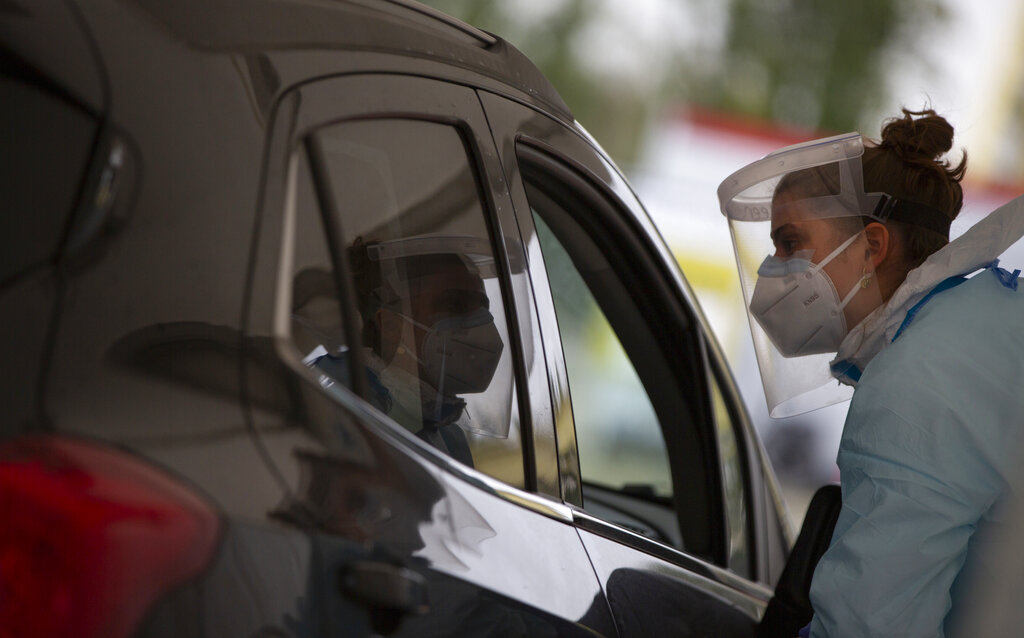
428	335
863	286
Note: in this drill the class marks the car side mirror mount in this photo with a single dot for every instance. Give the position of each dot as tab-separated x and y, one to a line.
789	610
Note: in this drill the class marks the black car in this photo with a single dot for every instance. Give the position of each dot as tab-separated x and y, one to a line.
325	318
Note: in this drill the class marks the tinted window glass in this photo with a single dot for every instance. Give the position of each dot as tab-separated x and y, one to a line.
613	361
618	434
624	271
316	320
426	284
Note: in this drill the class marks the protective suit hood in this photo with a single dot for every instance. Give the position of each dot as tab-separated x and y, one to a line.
975	249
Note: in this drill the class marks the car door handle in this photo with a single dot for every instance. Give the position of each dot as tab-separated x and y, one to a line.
389	591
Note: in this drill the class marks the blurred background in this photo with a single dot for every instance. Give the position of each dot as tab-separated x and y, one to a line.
681	93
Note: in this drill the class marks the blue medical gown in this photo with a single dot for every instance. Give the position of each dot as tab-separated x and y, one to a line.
928	457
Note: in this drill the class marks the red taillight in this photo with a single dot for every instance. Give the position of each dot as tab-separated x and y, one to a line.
90	537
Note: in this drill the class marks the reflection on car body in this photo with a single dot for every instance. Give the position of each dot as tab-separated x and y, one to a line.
350	277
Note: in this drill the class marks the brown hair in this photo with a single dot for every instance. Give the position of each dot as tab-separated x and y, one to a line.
907	164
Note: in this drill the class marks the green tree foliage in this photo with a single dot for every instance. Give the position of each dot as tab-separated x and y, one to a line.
554	40
815	64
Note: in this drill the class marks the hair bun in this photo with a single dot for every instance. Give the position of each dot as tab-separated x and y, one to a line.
908	164
918	135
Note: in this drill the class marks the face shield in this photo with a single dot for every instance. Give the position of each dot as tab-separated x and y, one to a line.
797	221
439	289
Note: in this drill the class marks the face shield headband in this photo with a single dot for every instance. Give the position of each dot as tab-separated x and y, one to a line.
474	252
842	151
747	194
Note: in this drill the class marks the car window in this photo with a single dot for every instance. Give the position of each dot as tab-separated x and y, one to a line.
317	328
433	341
618	436
734	483
637	433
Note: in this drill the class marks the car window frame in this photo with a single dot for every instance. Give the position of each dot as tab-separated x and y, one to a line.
346	97
770	536
467	490
619	223
719	375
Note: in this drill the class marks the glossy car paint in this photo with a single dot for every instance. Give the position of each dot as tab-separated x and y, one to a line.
458	526
156	329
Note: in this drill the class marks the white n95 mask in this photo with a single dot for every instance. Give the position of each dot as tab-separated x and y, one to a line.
461	353
798	306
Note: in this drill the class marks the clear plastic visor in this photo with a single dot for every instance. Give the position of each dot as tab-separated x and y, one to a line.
797	221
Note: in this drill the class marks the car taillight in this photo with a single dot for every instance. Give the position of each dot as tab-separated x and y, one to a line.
91	537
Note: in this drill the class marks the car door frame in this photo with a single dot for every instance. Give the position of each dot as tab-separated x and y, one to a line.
515	124
356	96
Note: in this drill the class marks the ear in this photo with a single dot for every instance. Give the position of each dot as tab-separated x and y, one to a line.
879	242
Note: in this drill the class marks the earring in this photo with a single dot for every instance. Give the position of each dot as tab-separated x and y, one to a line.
865	279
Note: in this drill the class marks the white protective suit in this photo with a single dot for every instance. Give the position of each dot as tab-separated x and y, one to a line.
932	441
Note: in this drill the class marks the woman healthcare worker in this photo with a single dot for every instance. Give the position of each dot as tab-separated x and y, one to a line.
862	292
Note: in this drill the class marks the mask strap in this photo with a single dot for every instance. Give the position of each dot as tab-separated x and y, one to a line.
412	321
835	253
857	287
474	319
439	399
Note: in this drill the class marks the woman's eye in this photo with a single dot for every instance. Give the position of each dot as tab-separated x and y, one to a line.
787	246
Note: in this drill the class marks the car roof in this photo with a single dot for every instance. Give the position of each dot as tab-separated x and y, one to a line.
309	38
392	27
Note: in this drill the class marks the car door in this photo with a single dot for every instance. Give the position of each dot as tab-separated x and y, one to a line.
643	425
433	530
52	107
